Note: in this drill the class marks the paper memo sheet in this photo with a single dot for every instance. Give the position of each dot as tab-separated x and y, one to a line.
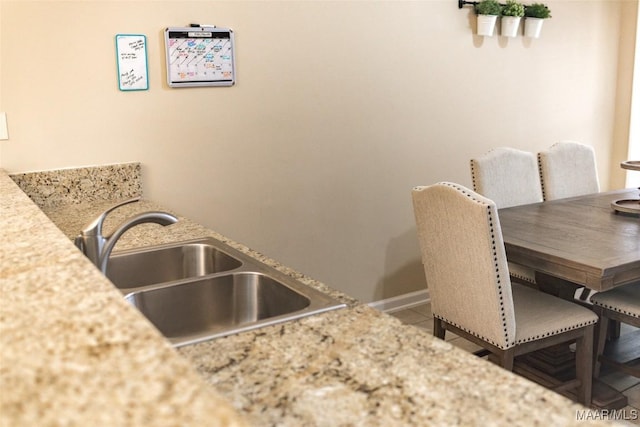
200	56
131	56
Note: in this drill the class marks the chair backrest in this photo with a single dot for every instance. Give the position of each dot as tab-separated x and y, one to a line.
568	169
464	261
507	176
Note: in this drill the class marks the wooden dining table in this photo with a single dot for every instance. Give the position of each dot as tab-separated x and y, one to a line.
576	246
581	239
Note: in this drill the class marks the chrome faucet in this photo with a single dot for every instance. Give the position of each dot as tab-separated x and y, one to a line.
98	248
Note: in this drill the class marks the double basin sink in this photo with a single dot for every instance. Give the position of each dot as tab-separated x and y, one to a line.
202	289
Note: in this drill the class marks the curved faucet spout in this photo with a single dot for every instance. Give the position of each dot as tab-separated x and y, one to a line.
98	248
162	218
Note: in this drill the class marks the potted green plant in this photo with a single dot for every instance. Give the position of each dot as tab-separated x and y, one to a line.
535	14
512	13
488	12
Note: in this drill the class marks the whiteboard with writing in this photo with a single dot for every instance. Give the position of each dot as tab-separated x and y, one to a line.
131	54
199	56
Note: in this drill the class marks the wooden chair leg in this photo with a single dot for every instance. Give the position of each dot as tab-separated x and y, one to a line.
614	329
505	358
584	365
438	328
601	339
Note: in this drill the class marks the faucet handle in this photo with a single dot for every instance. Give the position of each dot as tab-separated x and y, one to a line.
94	228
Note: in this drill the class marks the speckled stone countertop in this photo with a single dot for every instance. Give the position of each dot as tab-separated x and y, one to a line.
353	366
72	352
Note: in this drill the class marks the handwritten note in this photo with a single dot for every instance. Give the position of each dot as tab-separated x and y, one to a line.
131	54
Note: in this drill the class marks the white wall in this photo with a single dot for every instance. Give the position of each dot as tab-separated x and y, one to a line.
341	107
633	177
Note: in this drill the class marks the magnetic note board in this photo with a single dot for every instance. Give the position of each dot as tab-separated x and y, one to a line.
200	56
131	55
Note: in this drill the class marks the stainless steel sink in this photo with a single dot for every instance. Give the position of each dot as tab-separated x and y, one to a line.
166	263
216	306
203	289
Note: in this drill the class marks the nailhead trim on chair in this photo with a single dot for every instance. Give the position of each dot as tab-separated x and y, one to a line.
557	331
500	346
500	289
496	266
616	309
544	193
521	277
534	338
497	270
473	176
475	188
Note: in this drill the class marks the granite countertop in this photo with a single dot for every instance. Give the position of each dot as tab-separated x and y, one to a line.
67	330
72	351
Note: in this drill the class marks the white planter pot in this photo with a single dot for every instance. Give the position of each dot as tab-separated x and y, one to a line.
486	24
532	27
510	26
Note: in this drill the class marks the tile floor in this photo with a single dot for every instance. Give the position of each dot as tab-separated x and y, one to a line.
421	317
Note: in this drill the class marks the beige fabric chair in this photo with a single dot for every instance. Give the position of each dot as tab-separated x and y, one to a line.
471	293
621	304
509	177
568	169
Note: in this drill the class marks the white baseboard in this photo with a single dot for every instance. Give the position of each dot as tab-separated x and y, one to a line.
401	302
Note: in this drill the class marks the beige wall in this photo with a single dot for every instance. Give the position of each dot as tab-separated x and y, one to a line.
340	108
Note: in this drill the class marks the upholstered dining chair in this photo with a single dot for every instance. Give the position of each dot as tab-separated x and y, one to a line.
620	304
509	177
568	169
472	295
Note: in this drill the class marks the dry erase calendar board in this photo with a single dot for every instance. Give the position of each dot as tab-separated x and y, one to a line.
199	56
131	57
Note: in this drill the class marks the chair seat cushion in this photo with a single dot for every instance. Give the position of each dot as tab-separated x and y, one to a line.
539	315
624	299
521	272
